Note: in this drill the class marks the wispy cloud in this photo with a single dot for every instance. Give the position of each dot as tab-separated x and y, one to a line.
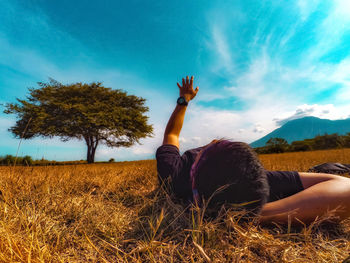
221	46
307	8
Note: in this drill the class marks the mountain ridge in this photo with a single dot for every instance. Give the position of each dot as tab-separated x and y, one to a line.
305	128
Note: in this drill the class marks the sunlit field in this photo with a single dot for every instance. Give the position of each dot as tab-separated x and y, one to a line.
115	213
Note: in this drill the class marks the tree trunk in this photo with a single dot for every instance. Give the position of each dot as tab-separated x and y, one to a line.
91	143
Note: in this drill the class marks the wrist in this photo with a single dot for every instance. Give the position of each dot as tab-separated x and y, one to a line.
186	96
182	101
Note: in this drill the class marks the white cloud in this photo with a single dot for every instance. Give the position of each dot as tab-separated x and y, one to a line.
251	84
222	49
196	139
182	139
202	125
307	7
328	111
342	7
258	128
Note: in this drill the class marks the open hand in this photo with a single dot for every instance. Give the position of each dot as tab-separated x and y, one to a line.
186	90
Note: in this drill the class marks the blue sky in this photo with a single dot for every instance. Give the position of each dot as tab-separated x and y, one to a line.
257	63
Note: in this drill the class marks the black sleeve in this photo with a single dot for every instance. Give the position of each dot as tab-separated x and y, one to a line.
173	170
283	184
169	162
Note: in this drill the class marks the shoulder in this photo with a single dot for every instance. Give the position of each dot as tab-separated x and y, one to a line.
167	149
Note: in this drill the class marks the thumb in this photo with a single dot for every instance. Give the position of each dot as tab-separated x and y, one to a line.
196	90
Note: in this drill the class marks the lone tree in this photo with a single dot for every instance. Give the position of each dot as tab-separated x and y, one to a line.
89	112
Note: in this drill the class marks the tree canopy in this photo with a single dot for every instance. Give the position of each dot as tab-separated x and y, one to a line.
89	112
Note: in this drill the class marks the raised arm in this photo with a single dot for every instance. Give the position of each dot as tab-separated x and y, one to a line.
174	126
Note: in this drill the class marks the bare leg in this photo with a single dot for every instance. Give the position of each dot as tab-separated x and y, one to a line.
323	193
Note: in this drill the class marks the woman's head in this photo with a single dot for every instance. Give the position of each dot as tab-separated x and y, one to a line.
230	172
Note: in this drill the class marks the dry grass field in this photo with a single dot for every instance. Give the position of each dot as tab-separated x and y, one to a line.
114	213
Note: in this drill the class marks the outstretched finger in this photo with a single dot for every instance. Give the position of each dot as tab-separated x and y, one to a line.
183	82
191	82
187	80
178	85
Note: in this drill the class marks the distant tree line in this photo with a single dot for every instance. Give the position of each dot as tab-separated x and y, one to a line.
11	160
320	142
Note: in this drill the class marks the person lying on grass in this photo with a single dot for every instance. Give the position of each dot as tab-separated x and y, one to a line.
226	172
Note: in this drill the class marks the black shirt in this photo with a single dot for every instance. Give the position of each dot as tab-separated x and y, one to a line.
176	168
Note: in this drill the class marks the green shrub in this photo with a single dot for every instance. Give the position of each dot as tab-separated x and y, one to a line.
9	159
27	160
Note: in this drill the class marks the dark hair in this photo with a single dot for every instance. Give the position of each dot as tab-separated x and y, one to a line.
230	172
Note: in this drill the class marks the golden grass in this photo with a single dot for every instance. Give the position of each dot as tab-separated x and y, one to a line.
114	213
302	161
